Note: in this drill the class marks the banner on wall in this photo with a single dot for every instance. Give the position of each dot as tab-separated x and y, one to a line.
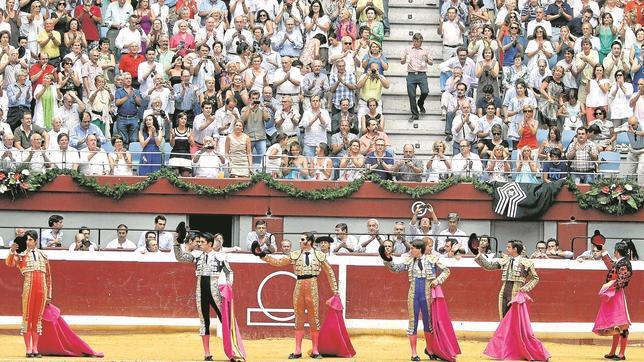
520	200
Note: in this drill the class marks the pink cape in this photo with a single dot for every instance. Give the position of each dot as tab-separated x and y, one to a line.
612	316
334	339
233	343
513	338
443	341
58	339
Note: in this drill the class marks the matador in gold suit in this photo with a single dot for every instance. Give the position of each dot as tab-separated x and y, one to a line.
307	265
518	272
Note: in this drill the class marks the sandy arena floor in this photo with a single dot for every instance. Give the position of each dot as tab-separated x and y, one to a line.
187	346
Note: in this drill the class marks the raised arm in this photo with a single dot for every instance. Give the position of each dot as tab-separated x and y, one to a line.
482	261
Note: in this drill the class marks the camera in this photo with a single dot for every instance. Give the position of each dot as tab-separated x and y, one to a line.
210	147
256	102
373	71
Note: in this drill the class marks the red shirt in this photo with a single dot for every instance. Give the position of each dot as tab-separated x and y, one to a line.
130	63
49	69
638	8
87	23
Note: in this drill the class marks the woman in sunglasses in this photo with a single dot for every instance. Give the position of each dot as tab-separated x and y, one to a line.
607	136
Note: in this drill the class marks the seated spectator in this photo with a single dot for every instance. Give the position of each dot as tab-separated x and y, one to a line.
527	129
409	168
343	242
540	251
274	154
120	159
324	244
516	72
52	238
429	246
553	141
571	111
265	239
451	105
439	166
451	249
607	136
371	114
399	239
486	122
595	253
380	161
498	165
537	74
121	241
151	244
527	168
9	155
490	144
465	127
93	160
80	133
208	161
369	138
22	134
554	168
165	238
582	153
294	165
466	163
340	141
321	166
453	232
285	246
36	157
82	242
56	130
352	164
370	242
554	251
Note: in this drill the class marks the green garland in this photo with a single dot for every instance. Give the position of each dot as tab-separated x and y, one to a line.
591	199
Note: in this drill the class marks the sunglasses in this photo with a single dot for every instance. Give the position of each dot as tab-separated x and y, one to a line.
528	111
599	113
496	133
302	239
347	43
514	27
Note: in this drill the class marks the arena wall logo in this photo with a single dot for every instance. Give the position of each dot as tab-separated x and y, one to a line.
278	321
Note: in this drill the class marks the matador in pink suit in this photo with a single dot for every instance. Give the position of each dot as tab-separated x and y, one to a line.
307	265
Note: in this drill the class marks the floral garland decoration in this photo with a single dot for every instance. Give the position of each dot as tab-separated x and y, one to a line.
611	196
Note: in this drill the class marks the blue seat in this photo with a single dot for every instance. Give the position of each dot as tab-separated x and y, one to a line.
135	150
566	138
107	147
609	162
514	156
542	135
165	149
622	139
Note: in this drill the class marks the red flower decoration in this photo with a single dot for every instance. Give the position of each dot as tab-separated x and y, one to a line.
619	189
16	177
25	186
2	176
606	190
624	197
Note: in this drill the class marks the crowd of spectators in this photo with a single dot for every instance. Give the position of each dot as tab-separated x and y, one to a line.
443	239
542	89
217	88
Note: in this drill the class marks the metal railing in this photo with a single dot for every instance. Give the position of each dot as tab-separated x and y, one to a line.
639	242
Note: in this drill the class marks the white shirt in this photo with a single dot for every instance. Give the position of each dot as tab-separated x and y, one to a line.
619	107
314	131
288	87
64	160
452	34
466	132
114	244
351	242
146	84
69	116
127	37
458	235
210	130
98	165
461	166
543	23
164	238
372	247
208	165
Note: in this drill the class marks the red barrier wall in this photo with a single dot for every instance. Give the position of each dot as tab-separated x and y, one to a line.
166	289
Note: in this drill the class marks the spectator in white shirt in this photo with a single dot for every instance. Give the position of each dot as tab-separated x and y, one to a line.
343	242
64	157
452	232
165	238
465	126
121	241
371	242
208	160
93	160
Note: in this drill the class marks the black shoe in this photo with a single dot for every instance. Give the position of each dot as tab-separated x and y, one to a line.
38	355
448	138
618	358
421	109
387	33
431	356
415	358
609	356
294	356
29	355
208	358
413	118
316	356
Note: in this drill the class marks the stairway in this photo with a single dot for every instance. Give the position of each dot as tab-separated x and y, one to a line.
407	17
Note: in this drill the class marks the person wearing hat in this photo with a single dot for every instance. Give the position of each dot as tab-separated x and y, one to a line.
597	242
452	231
612	318
307	263
34	266
425	272
324	245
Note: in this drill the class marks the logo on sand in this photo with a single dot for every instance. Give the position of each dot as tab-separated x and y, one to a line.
275	320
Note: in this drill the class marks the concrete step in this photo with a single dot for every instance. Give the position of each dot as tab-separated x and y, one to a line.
416	15
395	68
395	124
422	143
414	3
404	32
399	104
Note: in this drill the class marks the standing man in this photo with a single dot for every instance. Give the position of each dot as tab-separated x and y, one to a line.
89	16
49	41
165	238
417	59
128	100
451	29
208	266
612	317
316	122
19	95
307	265
116	17
255	115
517	275
582	154
635	158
